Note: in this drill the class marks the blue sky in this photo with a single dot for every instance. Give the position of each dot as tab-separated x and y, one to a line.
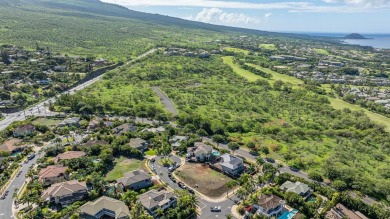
336	16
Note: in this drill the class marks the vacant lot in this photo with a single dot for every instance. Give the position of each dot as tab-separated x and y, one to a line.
205	180
123	165
47	122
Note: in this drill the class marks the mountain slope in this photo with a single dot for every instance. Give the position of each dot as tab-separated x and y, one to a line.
90	27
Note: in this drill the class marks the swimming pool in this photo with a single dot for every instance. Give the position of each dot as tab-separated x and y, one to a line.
216	153
288	215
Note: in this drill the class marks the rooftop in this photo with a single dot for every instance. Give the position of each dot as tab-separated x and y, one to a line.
51	171
153	198
104	203
69	155
63	189
133	177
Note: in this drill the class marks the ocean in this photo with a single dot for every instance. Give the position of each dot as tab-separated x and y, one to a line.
379	41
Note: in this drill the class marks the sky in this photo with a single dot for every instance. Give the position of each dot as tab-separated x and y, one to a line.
327	16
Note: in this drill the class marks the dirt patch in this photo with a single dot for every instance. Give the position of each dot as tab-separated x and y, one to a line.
205	180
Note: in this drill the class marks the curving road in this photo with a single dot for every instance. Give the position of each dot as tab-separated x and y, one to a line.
203	204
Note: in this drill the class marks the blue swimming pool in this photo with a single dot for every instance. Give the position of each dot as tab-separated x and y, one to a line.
288	215
216	153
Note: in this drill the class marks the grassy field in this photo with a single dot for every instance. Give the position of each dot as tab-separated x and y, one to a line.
47	122
236	68
151	152
268	46
341	104
236	50
207	181
321	51
277	76
123	165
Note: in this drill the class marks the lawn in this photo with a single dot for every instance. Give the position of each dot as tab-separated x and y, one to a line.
236	50
277	76
123	165
242	72
47	122
321	51
268	46
151	152
205	180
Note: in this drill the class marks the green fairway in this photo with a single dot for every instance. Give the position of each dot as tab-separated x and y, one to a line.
237	69
341	104
277	76
321	51
268	46
236	50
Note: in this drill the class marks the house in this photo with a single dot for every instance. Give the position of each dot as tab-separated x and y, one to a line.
127	127
65	193
154	200
154	130
177	139
68	155
201	151
104	207
297	187
139	144
24	130
52	174
342	212
135	180
74	121
204	55
12	146
60	68
269	205
232	165
94	124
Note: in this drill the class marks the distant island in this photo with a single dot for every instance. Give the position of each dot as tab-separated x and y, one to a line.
355	36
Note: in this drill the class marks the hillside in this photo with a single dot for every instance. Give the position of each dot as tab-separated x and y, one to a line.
90	27
355	36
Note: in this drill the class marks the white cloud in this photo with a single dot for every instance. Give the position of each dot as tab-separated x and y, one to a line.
218	16
347	6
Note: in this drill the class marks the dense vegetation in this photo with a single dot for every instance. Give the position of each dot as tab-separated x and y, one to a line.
295	125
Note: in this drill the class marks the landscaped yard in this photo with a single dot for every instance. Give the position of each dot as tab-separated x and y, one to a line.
205	180
151	152
123	165
47	122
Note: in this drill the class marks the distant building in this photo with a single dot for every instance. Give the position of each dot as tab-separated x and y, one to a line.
135	180
299	188
60	68
127	127
139	144
202	151
104	207
68	155
154	200
12	146
65	193
52	174
342	212
232	165
24	130
74	121
177	139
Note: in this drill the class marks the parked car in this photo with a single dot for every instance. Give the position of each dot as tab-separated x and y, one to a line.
215	209
171	168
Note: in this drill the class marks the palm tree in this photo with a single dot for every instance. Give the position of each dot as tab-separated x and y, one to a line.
229	216
159	212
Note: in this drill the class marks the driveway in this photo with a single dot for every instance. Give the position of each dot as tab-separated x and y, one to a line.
166	101
203	204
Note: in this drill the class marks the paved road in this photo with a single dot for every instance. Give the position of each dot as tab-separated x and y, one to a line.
166	101
6	204
40	109
203	204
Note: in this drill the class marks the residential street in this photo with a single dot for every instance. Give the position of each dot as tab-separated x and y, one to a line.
203	204
6	204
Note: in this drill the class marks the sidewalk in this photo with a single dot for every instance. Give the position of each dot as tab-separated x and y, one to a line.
235	213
